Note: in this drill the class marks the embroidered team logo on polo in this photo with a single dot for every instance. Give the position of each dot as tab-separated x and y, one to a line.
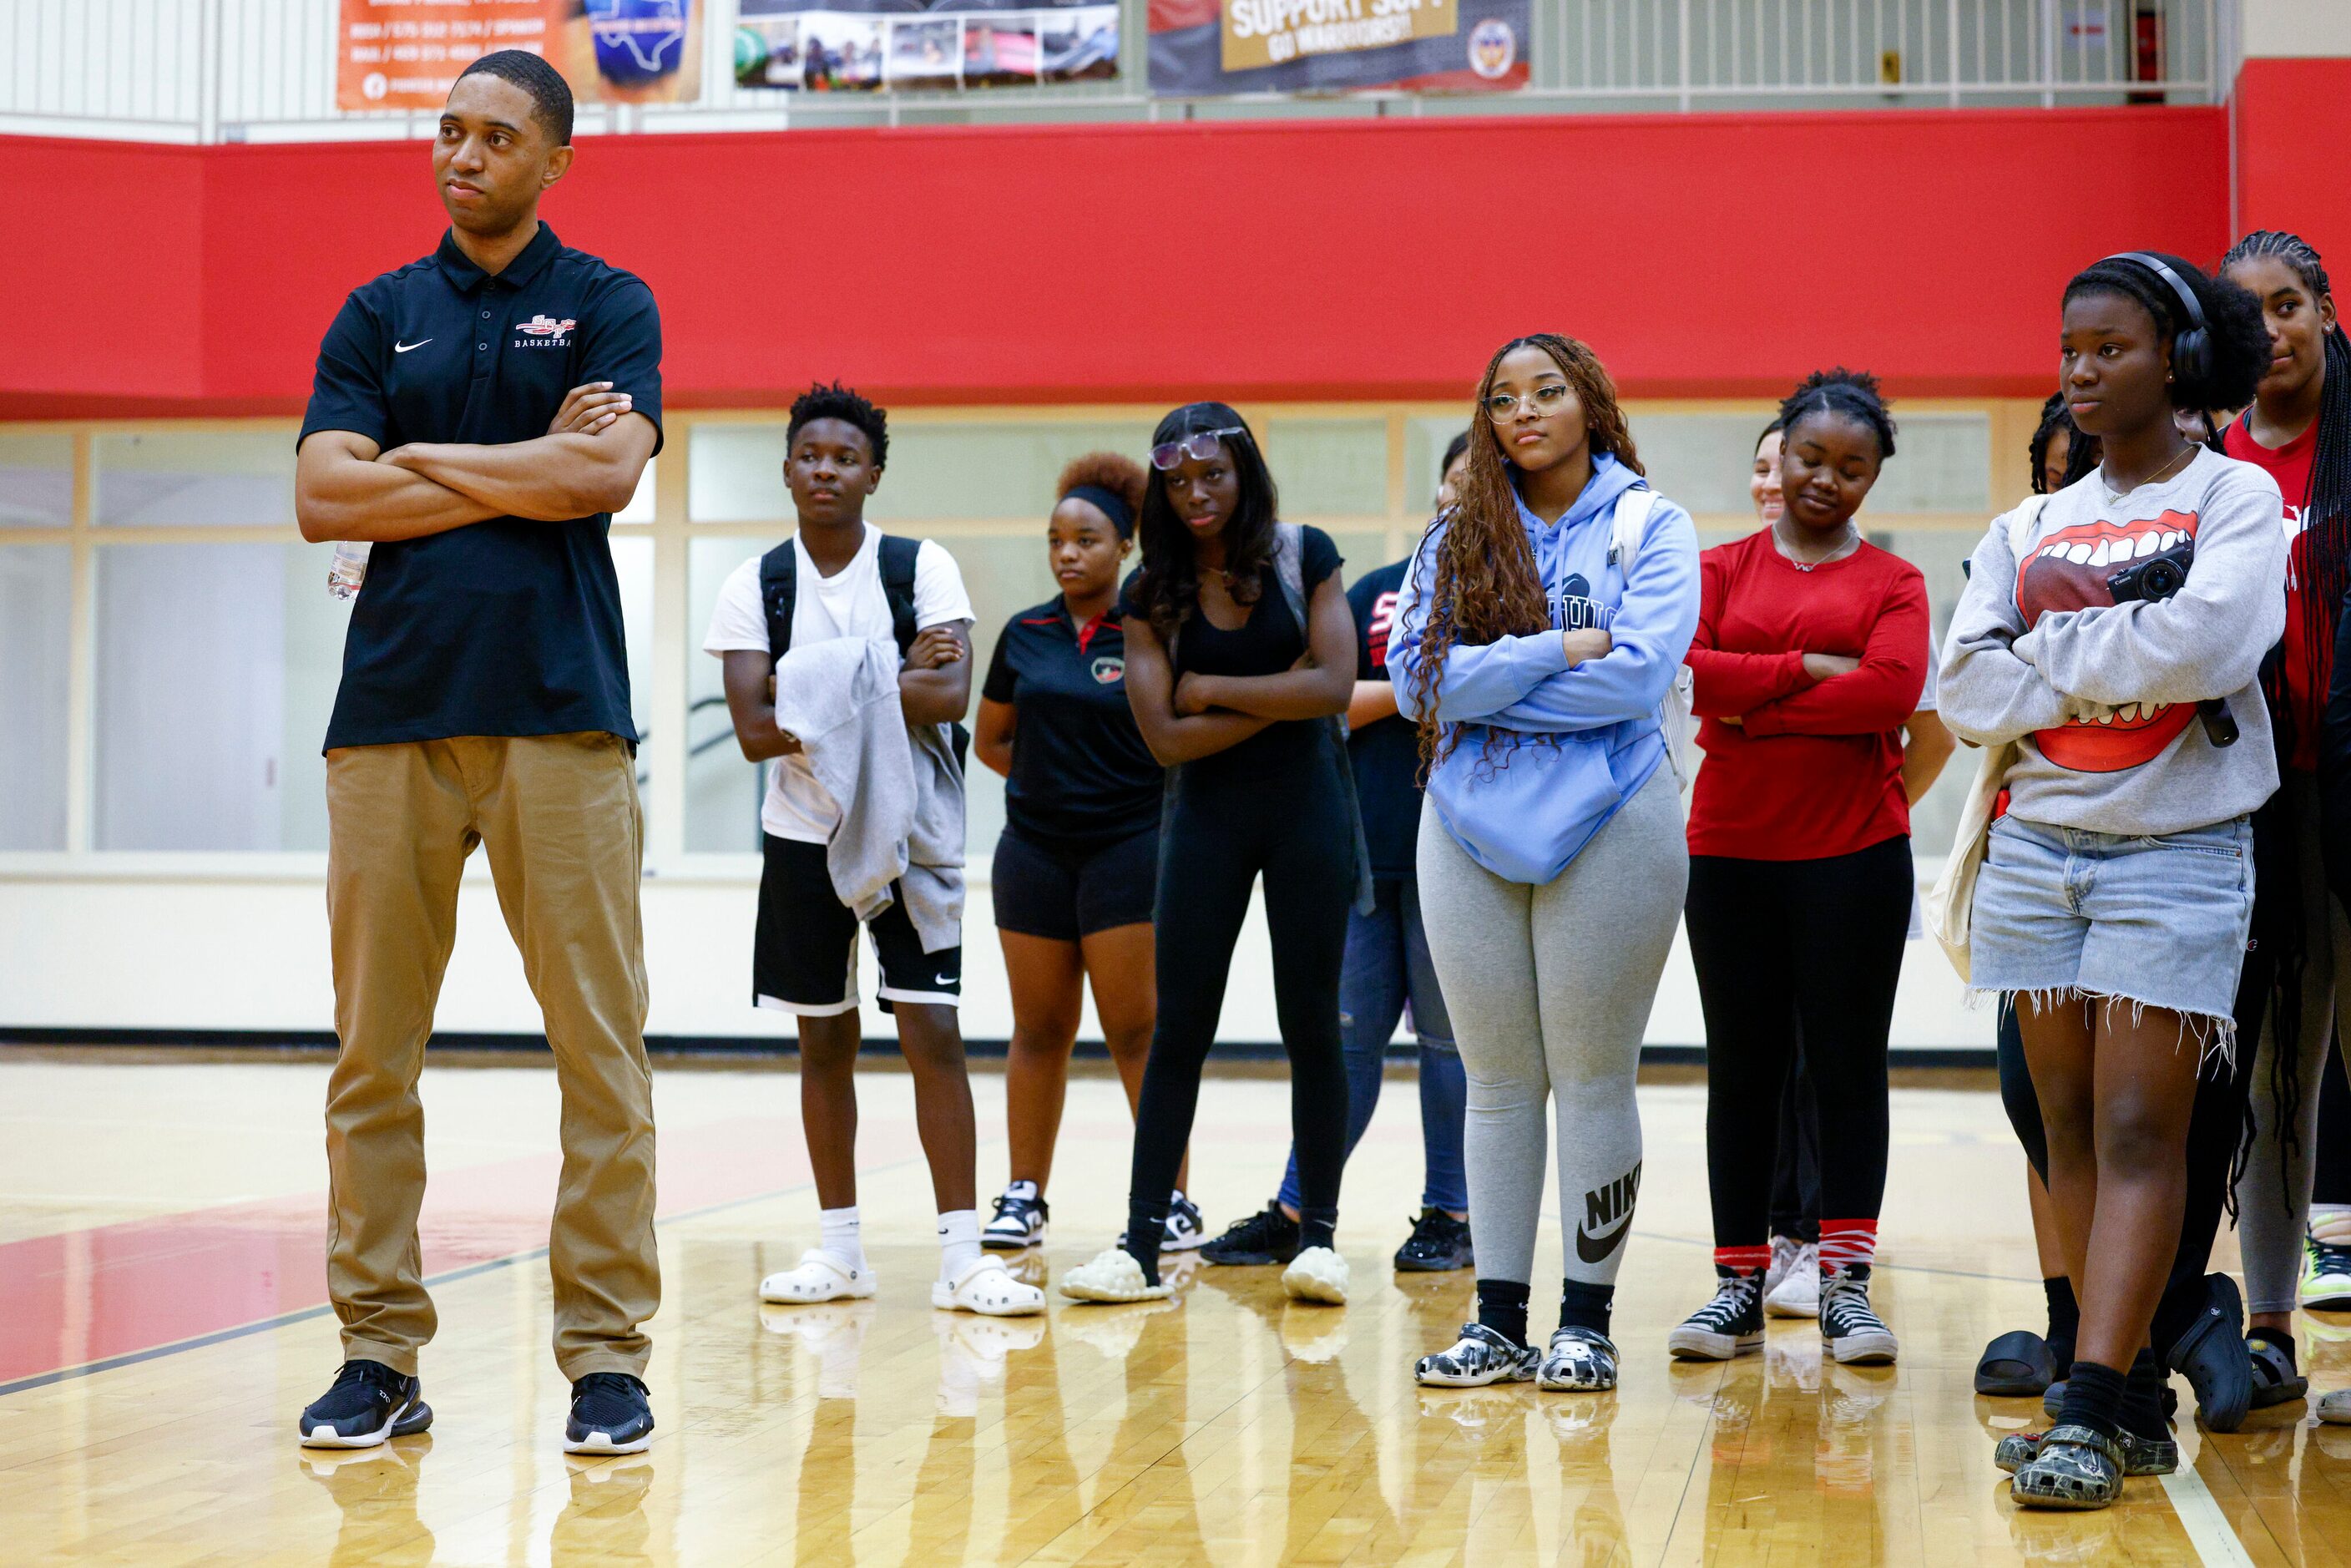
1109	670
544	332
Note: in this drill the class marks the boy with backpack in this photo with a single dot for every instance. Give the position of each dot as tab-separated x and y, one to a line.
855	832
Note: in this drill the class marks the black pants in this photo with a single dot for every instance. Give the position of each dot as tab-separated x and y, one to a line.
1784	948
2331	1161
1220	836
1796	1174
2214	1126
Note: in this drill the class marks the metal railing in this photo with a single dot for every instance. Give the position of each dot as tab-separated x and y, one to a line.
230	70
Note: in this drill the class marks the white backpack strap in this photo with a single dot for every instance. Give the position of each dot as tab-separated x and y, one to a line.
1630	522
1290	570
2021	523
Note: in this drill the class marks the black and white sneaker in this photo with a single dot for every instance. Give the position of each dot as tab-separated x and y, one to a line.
1580	1361
1267	1237
1185	1230
1020	1221
610	1415
1849	1331
1730	1325
1479	1357
1438	1242
368	1403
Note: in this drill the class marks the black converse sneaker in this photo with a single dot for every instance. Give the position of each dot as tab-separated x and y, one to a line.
1267	1237
1730	1325
610	1415
1479	1357
1438	1242
1019	1222
1849	1331
368	1403
1185	1231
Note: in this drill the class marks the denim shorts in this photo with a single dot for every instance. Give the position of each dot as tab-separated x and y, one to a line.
2161	921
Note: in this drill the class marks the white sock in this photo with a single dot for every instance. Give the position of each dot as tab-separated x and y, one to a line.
958	1242
841	1241
2331	1223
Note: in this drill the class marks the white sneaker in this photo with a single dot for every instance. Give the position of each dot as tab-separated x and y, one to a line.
821	1277
1317	1274
1112	1276
2335	1408
1798	1292
987	1288
2326	1275
1185	1231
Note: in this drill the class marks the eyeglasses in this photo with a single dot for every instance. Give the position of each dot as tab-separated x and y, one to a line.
1200	446
1546	400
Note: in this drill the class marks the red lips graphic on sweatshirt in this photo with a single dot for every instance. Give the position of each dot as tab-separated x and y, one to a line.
2068	570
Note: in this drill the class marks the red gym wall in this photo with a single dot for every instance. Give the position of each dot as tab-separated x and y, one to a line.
1702	255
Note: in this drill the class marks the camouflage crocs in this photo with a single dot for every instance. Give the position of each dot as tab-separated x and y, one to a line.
2074	1469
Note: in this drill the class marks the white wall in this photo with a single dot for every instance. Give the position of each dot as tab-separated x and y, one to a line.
246	948
2294	29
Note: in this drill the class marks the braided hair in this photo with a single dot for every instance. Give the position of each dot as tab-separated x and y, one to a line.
1849	395
2082	452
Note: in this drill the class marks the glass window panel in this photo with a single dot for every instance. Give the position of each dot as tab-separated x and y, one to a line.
1425	441
935	471
632	564
216	672
736	475
35	481
1362	550
1700	460
36	614
1329	467
227	478
640	509
1942	463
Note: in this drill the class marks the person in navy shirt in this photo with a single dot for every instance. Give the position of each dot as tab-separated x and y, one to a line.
1079	858
477	416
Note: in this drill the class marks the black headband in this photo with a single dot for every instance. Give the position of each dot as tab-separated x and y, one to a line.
1109	503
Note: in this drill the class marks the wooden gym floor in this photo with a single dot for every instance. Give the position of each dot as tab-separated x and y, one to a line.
162	1321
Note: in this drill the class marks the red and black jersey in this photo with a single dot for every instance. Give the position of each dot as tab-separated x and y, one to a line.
1082	776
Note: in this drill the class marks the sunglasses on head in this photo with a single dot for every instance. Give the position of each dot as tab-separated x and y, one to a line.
1200	446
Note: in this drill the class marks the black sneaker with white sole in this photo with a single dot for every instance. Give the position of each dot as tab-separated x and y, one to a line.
1020	1221
610	1415
1850	1331
1268	1236
1438	1242
368	1403
1730	1325
1481	1356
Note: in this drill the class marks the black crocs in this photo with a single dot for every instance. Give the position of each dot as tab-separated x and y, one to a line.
2213	1357
2277	1380
2016	1365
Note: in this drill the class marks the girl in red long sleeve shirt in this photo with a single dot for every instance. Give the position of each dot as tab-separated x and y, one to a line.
1809	658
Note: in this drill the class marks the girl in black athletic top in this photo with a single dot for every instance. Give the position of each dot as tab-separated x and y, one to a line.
1235	691
1076	864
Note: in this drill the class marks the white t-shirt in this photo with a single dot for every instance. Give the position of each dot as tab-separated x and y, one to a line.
850	603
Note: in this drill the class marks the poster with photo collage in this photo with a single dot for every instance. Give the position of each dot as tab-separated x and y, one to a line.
837	46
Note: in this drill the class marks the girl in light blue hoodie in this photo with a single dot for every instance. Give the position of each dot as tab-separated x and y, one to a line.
1541	629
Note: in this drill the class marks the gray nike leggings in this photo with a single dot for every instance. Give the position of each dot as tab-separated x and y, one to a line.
1550	988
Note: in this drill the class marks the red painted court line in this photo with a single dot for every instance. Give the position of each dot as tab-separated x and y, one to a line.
91	1295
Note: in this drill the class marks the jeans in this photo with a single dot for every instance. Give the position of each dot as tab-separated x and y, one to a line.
1387	964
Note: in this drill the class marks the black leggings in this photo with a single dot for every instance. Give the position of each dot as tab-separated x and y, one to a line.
1796	1175
2331	1161
1294	828
1784	947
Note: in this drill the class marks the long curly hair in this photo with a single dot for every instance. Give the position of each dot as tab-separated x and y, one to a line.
1486	586
1167	588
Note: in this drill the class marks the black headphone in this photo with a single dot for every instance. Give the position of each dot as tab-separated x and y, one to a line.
2191	347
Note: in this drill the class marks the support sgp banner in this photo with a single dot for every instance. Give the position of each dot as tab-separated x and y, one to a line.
407	54
1205	48
866	46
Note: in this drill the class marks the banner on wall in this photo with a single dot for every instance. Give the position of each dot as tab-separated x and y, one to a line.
407	54
856	45
1209	48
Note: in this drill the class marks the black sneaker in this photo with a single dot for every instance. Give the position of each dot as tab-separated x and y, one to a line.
610	1415
1438	1242
1020	1221
368	1403
1731	1324
1849	1331
1268	1237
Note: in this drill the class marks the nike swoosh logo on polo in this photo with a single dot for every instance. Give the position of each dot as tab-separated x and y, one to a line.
403	348
1593	1248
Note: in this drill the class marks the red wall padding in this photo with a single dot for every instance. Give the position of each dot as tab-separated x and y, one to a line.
1701	255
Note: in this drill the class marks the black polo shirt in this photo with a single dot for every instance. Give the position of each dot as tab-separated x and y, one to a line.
1384	756
509	626
1081	776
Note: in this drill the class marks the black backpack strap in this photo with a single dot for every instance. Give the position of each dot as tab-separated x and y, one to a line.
779	593
898	557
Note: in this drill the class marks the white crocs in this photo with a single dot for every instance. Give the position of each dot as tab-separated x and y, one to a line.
1317	1274
821	1277
989	1289
1112	1276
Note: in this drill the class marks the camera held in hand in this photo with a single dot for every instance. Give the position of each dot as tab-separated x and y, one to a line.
2153	578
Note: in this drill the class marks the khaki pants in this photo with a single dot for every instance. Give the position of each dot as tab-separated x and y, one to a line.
566	840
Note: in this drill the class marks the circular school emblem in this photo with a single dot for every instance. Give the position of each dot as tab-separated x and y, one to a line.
1109	670
1493	47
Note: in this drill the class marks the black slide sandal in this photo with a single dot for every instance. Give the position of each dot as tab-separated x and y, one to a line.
2016	1365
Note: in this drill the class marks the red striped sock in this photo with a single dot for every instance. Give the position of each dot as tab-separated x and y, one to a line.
1746	1260
1846	1242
